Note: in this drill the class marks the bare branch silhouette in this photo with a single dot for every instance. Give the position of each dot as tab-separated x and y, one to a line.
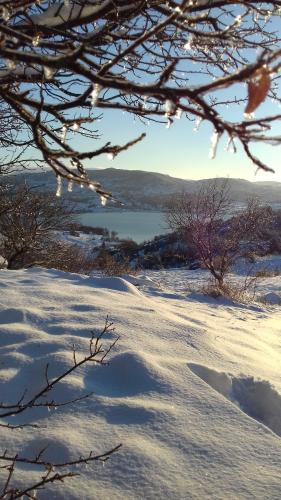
61	63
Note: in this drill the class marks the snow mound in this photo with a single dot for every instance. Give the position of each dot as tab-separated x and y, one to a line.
30	375
271	298
141	279
219	381
11	315
128	374
117	284
35	446
125	414
257	398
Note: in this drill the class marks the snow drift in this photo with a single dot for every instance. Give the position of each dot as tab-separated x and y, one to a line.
181	438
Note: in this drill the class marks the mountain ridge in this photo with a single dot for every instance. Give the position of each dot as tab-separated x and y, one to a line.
139	189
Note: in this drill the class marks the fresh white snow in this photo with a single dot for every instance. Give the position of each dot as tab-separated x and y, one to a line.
192	390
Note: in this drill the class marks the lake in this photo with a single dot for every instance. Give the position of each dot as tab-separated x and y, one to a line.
138	226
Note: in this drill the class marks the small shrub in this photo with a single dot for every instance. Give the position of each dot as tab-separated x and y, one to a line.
60	255
233	290
212	290
110	266
128	246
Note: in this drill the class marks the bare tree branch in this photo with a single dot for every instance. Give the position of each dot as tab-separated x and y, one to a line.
60	62
97	354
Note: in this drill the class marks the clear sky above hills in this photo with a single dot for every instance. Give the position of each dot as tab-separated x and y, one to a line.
181	152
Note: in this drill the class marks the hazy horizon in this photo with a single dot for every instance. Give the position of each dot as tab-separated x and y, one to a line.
151	171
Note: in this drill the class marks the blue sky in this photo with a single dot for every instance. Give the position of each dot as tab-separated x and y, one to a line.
181	152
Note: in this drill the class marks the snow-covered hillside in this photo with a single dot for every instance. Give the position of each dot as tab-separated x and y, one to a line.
138	189
192	390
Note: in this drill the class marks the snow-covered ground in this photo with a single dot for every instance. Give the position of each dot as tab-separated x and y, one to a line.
86	241
192	391
89	243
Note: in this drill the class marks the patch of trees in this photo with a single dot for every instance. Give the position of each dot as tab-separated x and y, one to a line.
28	222
31	234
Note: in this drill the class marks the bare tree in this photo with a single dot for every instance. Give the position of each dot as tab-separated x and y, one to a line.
220	238
62	61
28	221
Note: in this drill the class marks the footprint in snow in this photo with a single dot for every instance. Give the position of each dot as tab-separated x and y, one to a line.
257	398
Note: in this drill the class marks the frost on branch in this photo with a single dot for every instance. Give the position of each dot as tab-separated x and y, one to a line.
170	107
214	144
63	133
48	72
197	124
95	94
103	200
59	186
230	145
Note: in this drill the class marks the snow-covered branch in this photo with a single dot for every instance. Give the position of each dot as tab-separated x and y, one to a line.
62	61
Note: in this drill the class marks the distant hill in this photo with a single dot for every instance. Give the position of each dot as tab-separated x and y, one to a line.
138	189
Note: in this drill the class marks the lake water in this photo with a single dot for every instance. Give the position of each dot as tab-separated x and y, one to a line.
138	226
